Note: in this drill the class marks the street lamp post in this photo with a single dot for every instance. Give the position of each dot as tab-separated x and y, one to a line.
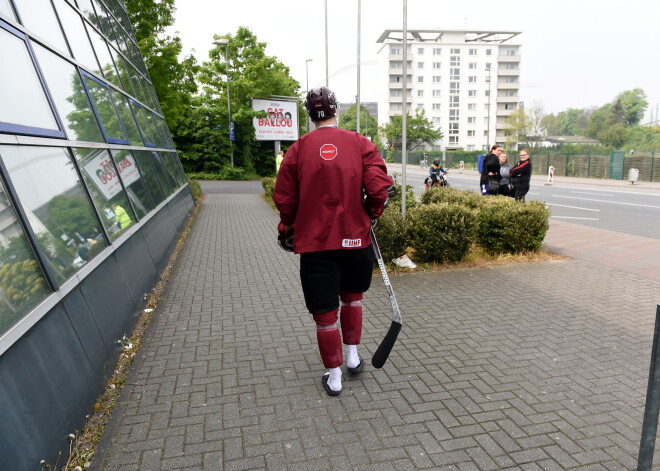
307	61
225	42
488	117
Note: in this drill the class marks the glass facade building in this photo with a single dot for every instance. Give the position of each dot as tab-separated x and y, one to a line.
92	199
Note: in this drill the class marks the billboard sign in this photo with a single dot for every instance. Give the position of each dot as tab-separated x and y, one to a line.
100	169
281	123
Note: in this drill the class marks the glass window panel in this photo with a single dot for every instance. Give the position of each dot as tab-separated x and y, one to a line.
125	75
38	16
6	10
120	78
163	177
174	167
22	97
135	187
147	87
22	284
105	109
69	96
154	129
127	119
59	212
78	40
100	175
162	127
101	48
138	111
172	178
144	159
136	78
88	11
104	19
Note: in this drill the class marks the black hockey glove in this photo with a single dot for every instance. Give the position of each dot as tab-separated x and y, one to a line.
285	238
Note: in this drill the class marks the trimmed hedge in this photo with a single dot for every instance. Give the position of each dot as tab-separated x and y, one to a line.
452	195
268	183
391	234
512	226
441	232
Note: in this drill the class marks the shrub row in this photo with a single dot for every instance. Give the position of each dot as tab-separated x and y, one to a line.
448	222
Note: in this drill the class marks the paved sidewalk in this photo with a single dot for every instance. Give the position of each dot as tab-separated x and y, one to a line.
551	376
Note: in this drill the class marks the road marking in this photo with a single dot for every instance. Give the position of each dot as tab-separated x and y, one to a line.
591	194
572	207
610	202
570	217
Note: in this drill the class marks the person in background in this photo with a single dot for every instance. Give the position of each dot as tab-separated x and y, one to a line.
505	182
490	173
121	216
435	170
319	190
278	161
521	175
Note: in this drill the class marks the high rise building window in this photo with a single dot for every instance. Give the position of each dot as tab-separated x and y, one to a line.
420	93
455	51
473	52
472	79
454	74
436	107
436	79
420	79
489	52
454	101
420	65
455	61
472	65
472	93
437	65
395	50
420	51
454	115
437	51
453	128
436	92
470	133
471	120
472	106
454	87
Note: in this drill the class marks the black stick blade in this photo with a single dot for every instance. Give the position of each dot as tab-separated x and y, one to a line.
385	347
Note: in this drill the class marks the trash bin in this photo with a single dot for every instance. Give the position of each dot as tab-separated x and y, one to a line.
633	175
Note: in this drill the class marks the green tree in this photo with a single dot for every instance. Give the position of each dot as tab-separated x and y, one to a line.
419	130
71	215
566	123
252	74
633	104
368	124
173	79
525	125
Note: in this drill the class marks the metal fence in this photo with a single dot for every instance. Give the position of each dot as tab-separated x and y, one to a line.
612	166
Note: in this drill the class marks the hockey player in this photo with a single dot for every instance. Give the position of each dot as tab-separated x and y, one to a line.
319	191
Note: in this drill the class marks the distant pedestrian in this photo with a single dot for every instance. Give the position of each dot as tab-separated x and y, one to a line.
505	181
521	175
278	161
319	191
489	182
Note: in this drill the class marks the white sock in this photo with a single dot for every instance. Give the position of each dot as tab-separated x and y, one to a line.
352	358
334	381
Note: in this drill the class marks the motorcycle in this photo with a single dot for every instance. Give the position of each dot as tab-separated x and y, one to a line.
440	182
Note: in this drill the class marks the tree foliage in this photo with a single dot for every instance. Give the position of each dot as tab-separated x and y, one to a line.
205	142
419	130
368	124
172	78
526	125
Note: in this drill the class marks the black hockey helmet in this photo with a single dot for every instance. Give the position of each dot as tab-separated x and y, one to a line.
436	162
321	104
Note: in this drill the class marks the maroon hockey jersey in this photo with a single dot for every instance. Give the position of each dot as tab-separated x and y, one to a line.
319	189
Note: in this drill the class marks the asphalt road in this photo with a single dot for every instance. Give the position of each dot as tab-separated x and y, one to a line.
614	205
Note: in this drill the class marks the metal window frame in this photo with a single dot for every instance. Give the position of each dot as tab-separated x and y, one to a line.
10	128
110	140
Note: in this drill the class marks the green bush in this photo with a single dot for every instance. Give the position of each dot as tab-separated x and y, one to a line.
466	198
195	189
441	232
411	200
507	226
268	183
391	234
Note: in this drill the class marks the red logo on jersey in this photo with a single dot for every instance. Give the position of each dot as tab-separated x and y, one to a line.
328	151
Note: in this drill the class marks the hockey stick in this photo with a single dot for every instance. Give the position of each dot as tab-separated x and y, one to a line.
385	347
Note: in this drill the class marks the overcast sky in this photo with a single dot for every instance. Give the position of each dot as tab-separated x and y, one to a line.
575	53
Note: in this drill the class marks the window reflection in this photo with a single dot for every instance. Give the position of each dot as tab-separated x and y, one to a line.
22	96
138	111
124	73
172	165
151	121
88	11
132	180
69	96
100	175
38	16
77	36
22	285
59	212
166	182
127	118
107	113
101	48
144	159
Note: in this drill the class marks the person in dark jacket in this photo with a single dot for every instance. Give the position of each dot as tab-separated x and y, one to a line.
490	174
505	181
521	174
319	190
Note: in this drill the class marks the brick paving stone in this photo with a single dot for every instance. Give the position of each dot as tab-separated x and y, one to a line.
228	376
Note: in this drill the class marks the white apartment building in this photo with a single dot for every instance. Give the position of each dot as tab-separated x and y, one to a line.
467	82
